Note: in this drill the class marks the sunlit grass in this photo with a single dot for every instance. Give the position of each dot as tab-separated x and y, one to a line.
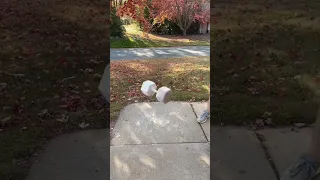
135	38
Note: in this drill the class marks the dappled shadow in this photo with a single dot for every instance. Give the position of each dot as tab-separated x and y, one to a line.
149	53
230	148
80	156
140	125
150	123
166	161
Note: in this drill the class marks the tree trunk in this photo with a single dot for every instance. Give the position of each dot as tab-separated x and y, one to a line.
184	32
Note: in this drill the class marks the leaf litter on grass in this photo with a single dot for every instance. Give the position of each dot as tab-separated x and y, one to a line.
254	40
187	77
42	88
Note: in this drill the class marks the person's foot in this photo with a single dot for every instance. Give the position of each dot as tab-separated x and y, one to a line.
306	168
204	116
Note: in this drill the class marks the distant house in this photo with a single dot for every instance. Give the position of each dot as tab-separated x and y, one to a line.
204	28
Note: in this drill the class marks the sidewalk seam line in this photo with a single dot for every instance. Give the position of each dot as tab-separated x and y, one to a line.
199	123
268	155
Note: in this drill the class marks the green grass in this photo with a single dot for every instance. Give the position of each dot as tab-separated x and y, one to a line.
187	77
257	53
135	38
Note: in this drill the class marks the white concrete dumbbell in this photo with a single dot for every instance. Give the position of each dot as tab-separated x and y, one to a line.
149	88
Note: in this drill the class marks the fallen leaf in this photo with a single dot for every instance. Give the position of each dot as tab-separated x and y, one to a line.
269	121
64	118
83	125
18	75
88	70
231	71
3	86
253	91
68	78
300	125
259	123
5	120
46	71
6	108
93	61
43	112
97	76
267	114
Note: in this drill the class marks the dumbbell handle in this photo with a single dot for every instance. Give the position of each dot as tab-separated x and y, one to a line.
154	90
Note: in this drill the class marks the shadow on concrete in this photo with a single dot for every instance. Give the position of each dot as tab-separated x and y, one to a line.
161	161
154	123
77	156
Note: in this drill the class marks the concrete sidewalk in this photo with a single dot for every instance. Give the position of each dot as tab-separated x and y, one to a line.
165	142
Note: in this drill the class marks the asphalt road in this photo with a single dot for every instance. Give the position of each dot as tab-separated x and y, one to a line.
161	52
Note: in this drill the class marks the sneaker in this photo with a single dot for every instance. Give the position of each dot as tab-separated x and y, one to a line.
305	168
204	116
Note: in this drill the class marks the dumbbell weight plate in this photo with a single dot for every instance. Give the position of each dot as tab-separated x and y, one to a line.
148	88
164	94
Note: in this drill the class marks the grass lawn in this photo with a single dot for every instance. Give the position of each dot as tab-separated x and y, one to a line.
51	58
135	38
259	50
187	77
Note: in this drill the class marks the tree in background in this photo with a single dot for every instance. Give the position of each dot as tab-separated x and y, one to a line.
116	25
182	12
135	9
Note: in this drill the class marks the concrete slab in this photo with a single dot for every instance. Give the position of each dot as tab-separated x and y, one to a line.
160	162
198	108
286	146
77	156
104	85
150	123
236	154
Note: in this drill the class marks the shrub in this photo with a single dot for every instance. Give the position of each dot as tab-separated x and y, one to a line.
171	28
116	26
126	21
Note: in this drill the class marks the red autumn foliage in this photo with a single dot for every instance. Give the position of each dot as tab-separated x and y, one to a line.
182	12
